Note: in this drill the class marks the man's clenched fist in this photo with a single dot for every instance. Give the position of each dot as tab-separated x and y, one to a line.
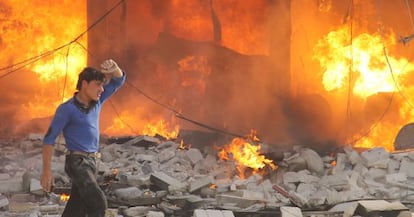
109	66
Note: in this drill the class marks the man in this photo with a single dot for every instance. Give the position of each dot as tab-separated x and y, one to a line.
78	119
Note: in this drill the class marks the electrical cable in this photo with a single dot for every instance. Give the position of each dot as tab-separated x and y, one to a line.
31	60
409	13
350	13
392	75
181	116
177	114
66	73
50	52
119	117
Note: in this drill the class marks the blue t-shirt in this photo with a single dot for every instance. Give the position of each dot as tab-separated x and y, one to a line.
80	128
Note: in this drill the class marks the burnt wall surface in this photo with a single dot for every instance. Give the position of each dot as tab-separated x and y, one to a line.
200	75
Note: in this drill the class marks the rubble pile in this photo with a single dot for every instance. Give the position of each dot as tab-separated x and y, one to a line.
149	176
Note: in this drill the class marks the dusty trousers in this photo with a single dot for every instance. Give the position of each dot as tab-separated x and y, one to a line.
86	197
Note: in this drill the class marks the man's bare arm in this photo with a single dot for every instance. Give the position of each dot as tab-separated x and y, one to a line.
47	176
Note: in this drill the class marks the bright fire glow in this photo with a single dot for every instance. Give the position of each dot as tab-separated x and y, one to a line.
245	155
364	59
28	31
64	197
364	67
160	128
133	122
184	146
192	19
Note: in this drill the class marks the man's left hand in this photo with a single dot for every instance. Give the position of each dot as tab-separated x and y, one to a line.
110	66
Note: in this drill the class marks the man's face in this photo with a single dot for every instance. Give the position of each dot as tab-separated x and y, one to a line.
93	89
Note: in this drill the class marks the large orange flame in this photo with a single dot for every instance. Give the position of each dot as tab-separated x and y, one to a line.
35	28
364	66
363	58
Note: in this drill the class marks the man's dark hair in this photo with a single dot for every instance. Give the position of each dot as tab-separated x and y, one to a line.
89	74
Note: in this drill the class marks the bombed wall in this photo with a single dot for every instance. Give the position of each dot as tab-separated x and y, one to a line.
213	65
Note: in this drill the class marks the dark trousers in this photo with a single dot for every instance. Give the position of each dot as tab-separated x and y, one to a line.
86	197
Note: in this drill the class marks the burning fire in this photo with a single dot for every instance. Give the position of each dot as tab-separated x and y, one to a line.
363	68
184	146
365	58
64	197
160	128
28	33
358	66
245	155
192	19
125	123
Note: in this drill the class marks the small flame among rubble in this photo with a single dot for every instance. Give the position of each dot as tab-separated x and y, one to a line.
124	124
160	128
183	146
246	155
64	197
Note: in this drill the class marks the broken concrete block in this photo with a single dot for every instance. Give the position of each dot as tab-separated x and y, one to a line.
406	167
396	177
376	173
4	176
145	157
166	155
313	161
376	157
14	184
155	214
288	211
167	145
257	195
352	155
23	207
300	176
194	155
295	162
240	202
136	211
223	170
200	183
307	189
189	201
298	199
341	161
128	193
143	141
393	166
337	182
4	201
211	213
135	180
51	209
379	208
318	199
35	187
164	182
347	208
